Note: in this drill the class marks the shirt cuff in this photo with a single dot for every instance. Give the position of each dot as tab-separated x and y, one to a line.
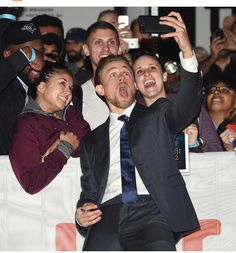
24	54
189	64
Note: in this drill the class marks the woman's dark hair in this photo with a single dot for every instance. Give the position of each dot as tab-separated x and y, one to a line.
48	71
223	79
48	20
159	60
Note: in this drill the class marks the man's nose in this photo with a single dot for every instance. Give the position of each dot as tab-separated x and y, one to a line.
217	90
105	46
121	77
36	66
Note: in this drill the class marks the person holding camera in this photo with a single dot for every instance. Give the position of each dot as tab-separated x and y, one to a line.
133	195
220	65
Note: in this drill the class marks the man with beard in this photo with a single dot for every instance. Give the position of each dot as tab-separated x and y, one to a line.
22	66
75	38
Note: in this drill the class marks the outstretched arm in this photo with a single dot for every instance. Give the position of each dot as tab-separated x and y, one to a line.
186	106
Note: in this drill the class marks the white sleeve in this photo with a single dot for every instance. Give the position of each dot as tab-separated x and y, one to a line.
189	64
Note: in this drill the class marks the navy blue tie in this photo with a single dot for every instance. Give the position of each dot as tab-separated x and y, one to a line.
129	189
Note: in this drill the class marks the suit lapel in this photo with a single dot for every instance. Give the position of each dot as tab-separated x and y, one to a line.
103	149
135	114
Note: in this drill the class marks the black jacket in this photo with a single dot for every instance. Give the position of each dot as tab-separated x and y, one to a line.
12	97
152	133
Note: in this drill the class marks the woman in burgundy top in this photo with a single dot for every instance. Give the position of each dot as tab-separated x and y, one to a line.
47	132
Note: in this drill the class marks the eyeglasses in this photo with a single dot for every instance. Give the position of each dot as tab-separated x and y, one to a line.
222	90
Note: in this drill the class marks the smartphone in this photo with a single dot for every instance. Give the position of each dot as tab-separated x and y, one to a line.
123	21
150	24
218	33
132	42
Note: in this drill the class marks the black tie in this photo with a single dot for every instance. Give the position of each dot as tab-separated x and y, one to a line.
129	189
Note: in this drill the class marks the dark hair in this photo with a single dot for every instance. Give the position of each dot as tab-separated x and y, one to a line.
104	61
47	20
16	11
106	12
101	25
48	71
225	80
133	23
151	55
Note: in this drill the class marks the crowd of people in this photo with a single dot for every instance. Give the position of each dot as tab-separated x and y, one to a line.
87	94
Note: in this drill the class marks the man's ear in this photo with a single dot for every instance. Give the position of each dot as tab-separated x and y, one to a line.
86	50
6	53
99	89
120	50
41	87
136	87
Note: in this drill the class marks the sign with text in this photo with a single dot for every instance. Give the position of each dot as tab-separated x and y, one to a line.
45	221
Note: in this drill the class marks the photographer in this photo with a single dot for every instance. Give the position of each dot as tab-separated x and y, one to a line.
220	64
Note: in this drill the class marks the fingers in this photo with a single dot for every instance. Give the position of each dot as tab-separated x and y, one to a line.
177	22
192	132
71	138
50	149
228	136
88	214
180	35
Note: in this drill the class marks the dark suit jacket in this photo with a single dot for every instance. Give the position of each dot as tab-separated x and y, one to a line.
12	97
152	132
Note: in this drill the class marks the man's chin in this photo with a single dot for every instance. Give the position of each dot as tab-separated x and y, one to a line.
125	103
33	81
74	58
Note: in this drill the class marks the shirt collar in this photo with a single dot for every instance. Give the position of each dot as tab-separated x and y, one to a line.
23	84
114	116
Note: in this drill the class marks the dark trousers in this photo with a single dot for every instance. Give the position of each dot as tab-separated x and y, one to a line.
137	228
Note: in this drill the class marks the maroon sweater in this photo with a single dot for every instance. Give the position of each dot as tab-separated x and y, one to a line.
34	134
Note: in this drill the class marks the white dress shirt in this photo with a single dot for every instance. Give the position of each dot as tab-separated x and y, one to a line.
94	110
114	187
25	88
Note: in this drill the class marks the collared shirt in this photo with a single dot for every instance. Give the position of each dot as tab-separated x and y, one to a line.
25	88
114	178
114	187
189	64
95	111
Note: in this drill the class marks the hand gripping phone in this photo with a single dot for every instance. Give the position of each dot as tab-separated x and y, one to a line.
123	21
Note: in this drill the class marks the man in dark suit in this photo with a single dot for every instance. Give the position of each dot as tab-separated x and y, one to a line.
161	212
20	67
